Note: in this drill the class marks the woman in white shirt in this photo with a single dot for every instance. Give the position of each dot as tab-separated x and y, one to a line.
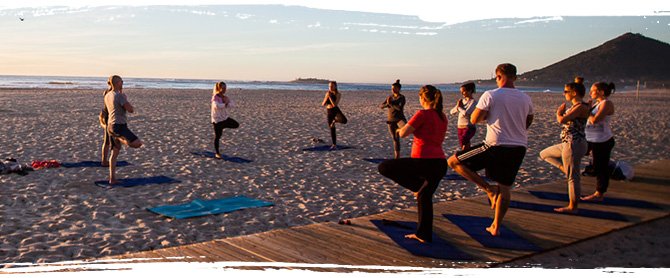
599	136
464	108
220	119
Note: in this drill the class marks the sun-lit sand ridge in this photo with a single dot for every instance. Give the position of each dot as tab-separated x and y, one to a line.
58	214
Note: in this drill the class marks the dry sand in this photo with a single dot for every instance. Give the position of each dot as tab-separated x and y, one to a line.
58	214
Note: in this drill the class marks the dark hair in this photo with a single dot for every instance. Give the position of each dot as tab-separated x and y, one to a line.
469	87
397	84
577	87
433	96
608	88
507	69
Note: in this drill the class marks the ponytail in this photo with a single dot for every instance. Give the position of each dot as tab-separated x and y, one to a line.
218	87
607	88
433	96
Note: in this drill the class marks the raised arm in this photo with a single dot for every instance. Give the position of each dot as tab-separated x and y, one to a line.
478	116
126	105
563	117
606	109
405	131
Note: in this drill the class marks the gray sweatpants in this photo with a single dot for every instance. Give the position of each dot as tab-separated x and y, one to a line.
568	155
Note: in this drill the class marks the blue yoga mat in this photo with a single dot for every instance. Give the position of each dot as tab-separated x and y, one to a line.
91	164
223	157
138	181
607	201
475	227
374	160
581	212
326	148
438	249
199	207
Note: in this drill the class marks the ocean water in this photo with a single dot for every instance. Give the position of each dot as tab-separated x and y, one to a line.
100	83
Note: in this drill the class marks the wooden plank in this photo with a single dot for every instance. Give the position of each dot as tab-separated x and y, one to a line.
363	244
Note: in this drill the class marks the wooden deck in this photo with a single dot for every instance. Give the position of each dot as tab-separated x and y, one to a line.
363	244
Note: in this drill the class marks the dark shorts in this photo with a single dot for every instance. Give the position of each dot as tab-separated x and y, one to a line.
501	163
121	131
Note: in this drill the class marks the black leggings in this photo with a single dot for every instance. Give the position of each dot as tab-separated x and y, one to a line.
393	128
420	175
218	130
601	158
335	115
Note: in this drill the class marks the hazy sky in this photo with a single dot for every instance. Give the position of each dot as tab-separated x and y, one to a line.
348	41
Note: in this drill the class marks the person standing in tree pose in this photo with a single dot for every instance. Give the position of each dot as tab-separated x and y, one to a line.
567	155
508	113
396	115
423	171
219	113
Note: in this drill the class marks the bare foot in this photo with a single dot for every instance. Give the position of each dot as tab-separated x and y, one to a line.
492	230
217	156
113	181
593	197
567	210
333	147
413	236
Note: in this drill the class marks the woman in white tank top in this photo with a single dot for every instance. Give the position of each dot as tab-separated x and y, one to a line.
599	136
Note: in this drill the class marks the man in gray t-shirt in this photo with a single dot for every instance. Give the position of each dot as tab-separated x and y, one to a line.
114	101
117	105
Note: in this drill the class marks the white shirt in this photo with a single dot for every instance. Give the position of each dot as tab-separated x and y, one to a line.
507	110
464	112
601	131
219	111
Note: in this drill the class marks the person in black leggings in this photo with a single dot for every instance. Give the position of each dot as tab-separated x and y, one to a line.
219	113
427	166
334	114
396	115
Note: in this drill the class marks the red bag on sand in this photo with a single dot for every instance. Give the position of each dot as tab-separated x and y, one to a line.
39	164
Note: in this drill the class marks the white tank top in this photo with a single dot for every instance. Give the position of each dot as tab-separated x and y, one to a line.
601	131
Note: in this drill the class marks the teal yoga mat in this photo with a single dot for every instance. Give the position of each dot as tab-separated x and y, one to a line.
199	207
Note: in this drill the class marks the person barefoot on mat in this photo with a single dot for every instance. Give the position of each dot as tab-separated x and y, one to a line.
396	115
600	137
567	155
117	105
219	113
334	114
423	171
508	113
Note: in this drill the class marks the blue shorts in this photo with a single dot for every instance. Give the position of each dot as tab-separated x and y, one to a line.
121	131
501	163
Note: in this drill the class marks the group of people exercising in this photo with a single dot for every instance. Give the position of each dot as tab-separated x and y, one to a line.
506	111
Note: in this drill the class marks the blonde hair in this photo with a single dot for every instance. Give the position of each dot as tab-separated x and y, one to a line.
433	97
218	87
110	82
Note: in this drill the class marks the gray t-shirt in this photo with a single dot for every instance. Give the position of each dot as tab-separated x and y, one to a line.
114	102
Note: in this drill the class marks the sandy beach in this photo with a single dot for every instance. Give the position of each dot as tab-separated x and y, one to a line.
59	214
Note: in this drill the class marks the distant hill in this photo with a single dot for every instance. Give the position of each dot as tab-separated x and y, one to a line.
310	81
623	60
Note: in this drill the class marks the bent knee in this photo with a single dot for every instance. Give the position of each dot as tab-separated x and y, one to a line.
453	161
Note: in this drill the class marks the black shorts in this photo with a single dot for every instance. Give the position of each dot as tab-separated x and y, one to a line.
121	131
501	163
